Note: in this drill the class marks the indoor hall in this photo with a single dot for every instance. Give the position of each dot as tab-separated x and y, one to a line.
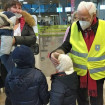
52	18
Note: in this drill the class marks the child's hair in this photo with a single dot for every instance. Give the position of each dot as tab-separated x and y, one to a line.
11	3
65	63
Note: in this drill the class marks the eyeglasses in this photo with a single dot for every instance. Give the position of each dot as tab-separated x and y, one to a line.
84	18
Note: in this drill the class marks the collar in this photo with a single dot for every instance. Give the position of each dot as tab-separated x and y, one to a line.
53	76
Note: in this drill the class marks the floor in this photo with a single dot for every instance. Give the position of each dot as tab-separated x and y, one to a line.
47	44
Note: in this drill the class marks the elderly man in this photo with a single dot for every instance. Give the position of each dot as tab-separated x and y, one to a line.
87	41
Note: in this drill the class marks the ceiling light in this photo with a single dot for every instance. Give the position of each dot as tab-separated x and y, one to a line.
53	15
39	15
21	0
32	8
46	16
102	7
25	3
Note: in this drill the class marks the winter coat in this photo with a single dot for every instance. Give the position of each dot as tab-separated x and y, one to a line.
26	85
27	33
64	89
7	22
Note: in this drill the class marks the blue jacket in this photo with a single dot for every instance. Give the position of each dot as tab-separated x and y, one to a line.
27	87
64	89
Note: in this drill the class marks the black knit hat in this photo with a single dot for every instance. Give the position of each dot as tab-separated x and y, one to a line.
23	56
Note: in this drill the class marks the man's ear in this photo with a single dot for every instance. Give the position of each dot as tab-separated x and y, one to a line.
94	15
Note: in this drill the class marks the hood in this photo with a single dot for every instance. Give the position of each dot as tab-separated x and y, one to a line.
23	57
28	19
65	63
19	80
7	20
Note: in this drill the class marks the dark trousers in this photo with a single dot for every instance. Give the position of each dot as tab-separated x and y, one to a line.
3	77
7	101
83	98
3	72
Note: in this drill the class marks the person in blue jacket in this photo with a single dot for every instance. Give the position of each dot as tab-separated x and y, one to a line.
25	84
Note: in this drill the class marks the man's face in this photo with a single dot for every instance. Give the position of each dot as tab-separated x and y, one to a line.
83	15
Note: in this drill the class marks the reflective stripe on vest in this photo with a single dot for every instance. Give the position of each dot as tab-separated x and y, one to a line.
94	60
79	54
80	66
96	70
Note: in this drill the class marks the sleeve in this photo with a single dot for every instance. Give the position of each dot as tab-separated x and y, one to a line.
43	90
65	47
28	39
66	33
57	93
6	44
7	88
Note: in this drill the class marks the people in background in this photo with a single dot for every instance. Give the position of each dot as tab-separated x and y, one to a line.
74	18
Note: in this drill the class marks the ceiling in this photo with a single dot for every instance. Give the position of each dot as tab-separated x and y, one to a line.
37	1
43	1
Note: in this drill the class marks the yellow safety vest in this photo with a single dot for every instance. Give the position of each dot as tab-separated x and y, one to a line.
94	60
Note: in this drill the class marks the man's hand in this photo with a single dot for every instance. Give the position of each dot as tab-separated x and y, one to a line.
54	58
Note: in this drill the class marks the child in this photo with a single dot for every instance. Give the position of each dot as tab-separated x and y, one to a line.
7	22
26	85
64	83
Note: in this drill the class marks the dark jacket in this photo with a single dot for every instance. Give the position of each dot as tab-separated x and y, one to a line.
64	89
27	33
26	85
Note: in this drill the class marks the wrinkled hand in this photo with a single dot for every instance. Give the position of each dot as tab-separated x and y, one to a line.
54	58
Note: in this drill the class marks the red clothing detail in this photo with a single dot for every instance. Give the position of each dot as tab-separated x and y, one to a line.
22	23
86	81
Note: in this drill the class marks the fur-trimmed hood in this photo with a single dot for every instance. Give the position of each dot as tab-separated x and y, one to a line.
7	20
28	18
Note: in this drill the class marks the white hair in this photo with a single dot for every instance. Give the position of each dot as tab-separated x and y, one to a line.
90	6
65	63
